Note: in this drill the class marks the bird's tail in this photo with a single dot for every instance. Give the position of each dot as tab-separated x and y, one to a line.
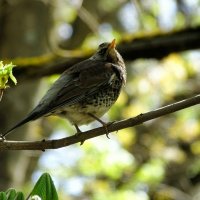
30	117
14	127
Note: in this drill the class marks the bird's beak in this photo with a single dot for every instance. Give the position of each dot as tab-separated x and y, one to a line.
112	45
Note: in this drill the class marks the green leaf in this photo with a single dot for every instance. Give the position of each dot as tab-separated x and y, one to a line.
13	78
11	194
3	196
5	74
19	196
45	188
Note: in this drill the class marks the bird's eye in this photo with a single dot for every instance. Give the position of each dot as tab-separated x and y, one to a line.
102	51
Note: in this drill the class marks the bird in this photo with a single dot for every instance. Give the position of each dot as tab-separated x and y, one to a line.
84	92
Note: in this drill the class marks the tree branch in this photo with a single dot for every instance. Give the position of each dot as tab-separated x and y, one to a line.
160	45
63	142
147	46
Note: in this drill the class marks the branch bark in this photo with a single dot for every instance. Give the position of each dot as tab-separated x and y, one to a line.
63	142
160	45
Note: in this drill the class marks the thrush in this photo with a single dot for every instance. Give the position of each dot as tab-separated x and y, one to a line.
84	92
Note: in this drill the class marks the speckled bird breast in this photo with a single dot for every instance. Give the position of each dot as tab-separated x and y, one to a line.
97	104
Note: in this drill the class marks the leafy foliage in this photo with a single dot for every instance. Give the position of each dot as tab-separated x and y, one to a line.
5	74
44	189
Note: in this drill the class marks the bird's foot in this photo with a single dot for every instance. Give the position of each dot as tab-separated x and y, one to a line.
104	124
78	131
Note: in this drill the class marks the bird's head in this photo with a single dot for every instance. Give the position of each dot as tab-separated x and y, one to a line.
107	52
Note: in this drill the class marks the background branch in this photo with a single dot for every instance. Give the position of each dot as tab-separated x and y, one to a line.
54	144
146	46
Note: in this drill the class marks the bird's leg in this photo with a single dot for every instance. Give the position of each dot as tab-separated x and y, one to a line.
78	131
105	125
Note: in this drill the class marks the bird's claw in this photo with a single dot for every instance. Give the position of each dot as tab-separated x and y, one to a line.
106	125
107	135
78	133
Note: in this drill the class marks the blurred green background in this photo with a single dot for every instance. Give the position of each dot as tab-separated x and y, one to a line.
158	160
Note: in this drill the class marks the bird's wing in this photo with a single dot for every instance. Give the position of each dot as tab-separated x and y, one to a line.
76	84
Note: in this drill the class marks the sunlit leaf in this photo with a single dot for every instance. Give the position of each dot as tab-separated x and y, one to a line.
44	188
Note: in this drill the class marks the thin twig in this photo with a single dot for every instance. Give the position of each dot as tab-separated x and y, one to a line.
1	93
63	142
